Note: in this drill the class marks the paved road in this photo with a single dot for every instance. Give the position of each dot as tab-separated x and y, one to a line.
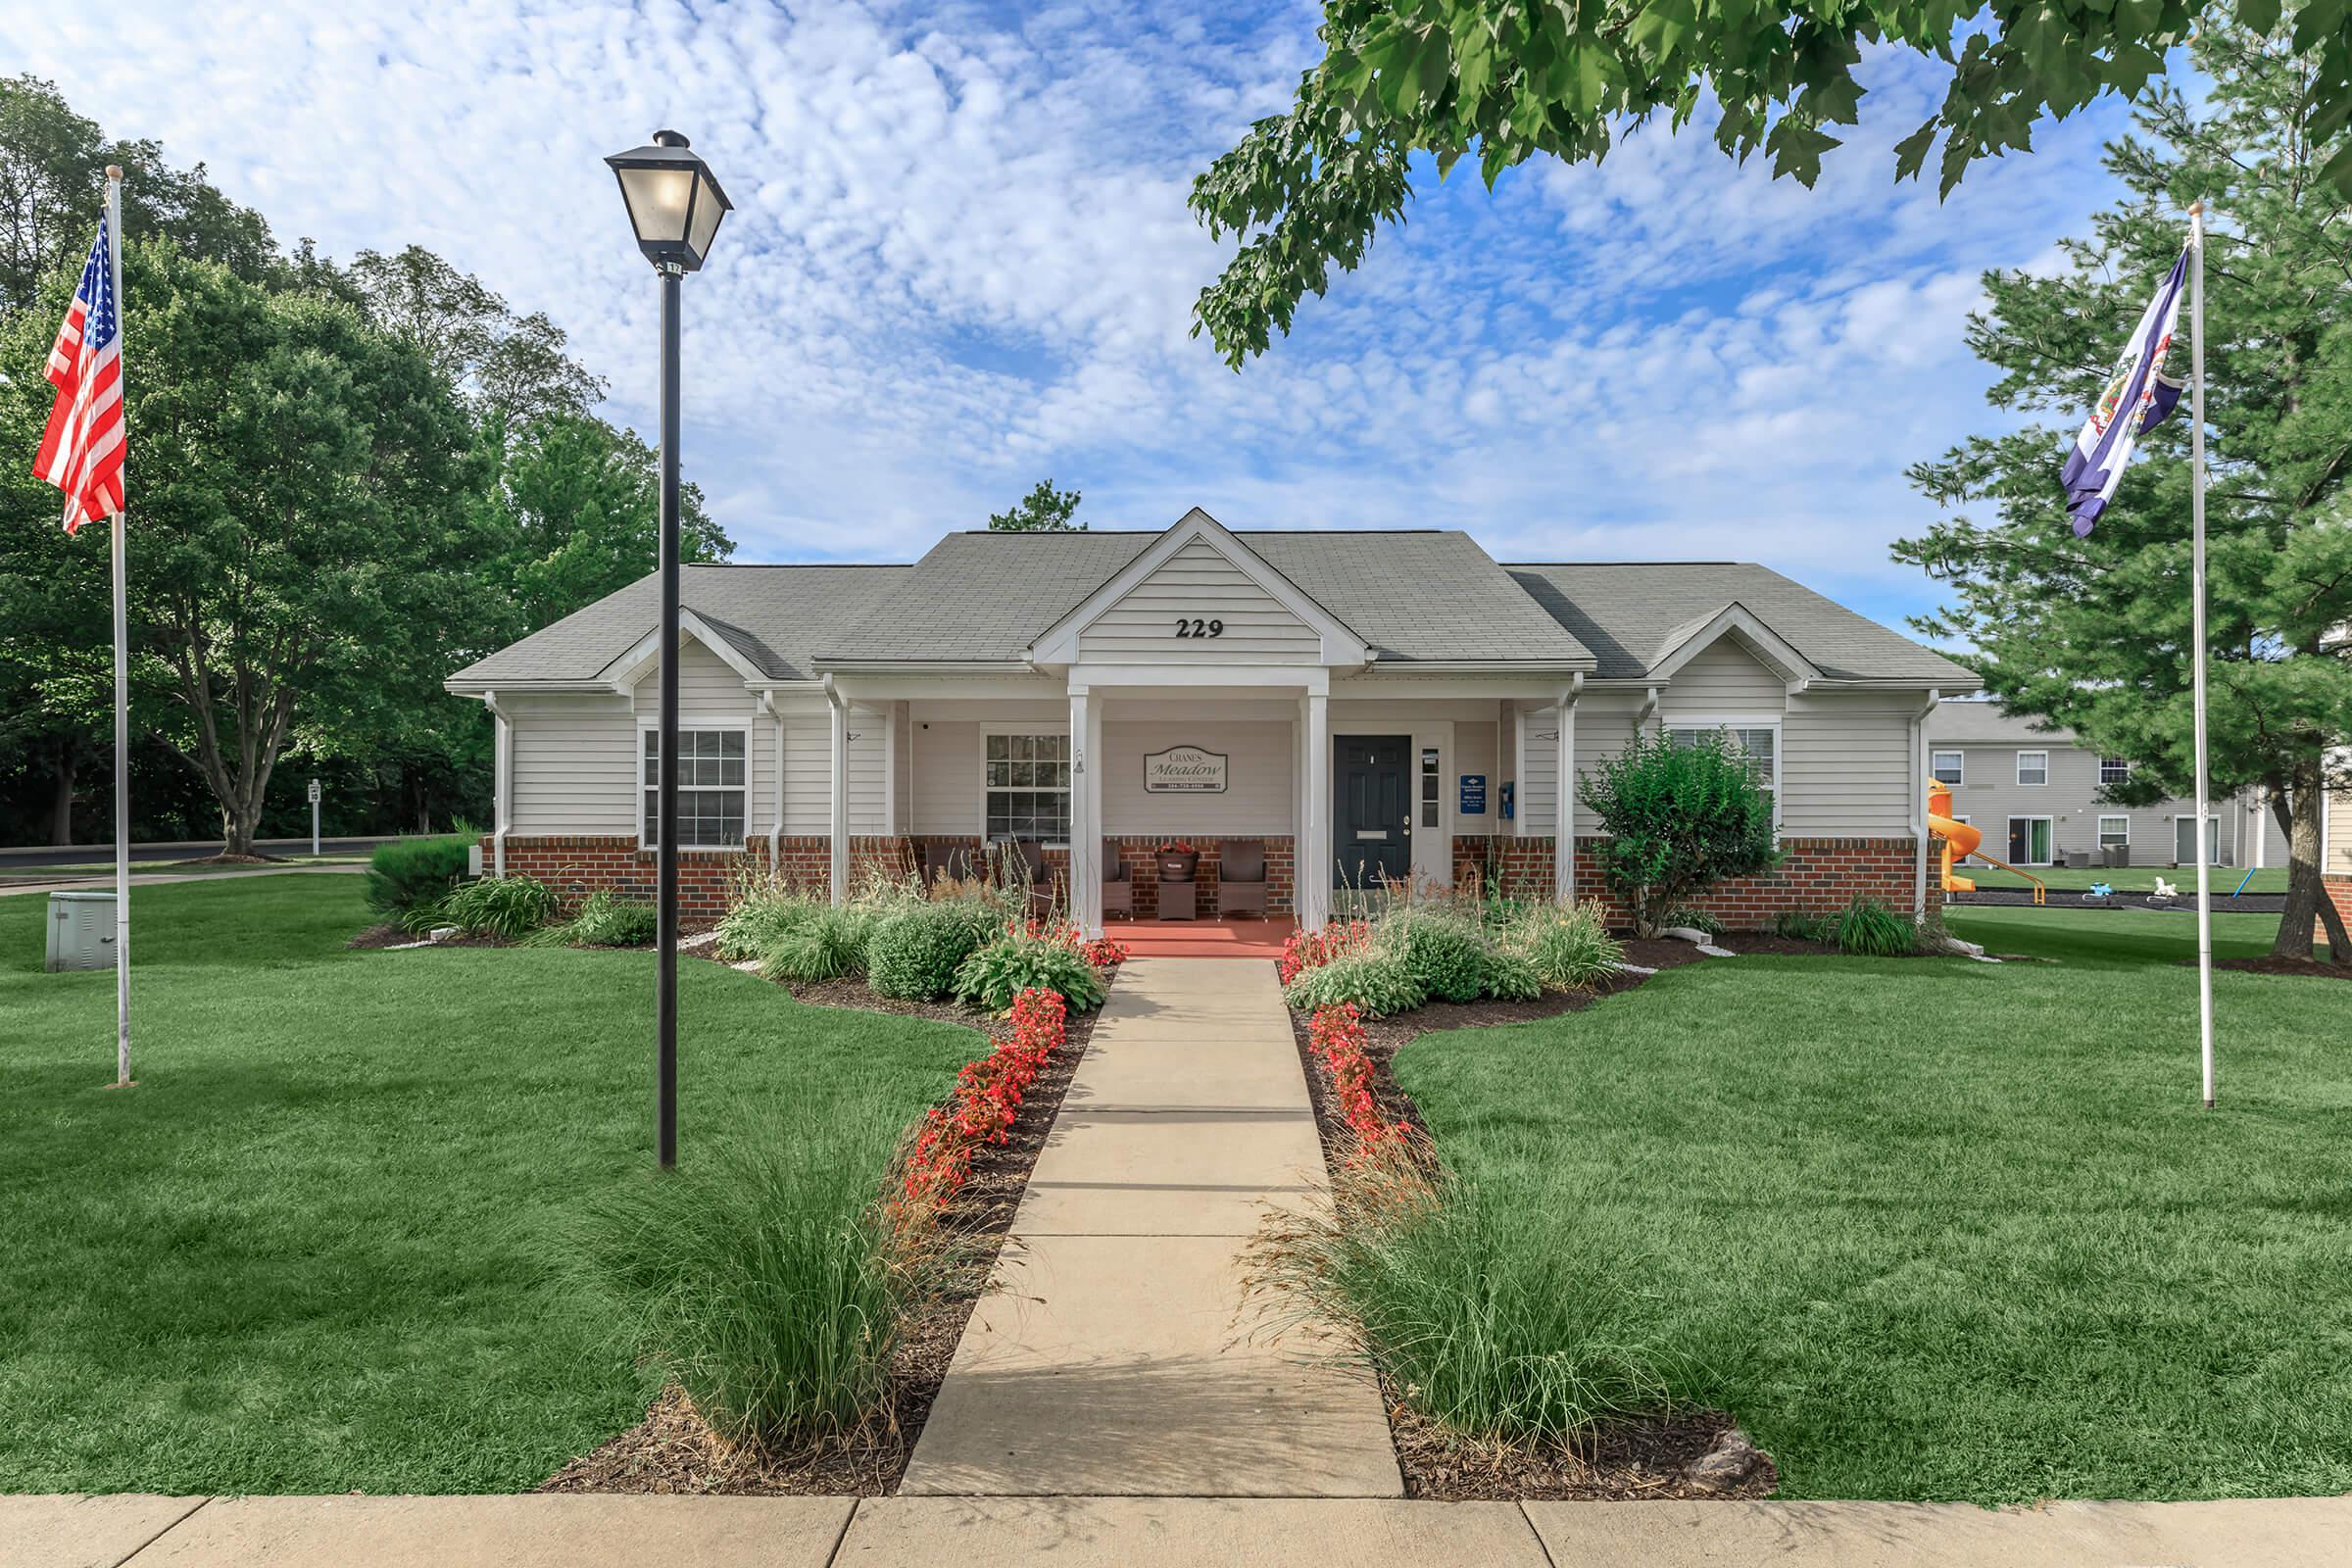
26	857
624	1532
149	879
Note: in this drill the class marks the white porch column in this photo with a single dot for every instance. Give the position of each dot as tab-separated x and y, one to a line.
502	782
1563	798
1312	857
1085	815
1519	755
840	791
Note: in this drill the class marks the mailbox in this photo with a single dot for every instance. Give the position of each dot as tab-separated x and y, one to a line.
81	931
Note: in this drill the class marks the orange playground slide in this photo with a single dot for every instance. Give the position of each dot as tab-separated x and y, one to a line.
1960	840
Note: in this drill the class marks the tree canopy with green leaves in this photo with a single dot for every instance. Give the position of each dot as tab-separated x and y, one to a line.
2094	633
1044	509
1507	80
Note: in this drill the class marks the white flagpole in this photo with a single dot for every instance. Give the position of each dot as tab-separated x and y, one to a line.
2196	448
114	232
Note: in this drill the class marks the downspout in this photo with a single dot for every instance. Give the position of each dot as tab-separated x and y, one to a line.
502	782
1563	796
775	836
1918	802
1648	709
840	820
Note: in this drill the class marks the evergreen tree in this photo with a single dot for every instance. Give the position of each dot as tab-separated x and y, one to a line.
2094	633
1044	509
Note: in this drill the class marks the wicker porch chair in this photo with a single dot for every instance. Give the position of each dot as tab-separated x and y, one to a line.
1242	876
1118	882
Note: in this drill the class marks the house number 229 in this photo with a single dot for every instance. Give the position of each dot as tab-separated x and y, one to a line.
1193	626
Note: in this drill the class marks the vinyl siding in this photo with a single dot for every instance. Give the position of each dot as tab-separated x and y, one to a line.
575	759
1604	726
1475	751
809	771
1722	678
1198	582
1845	768
1259	787
1990	795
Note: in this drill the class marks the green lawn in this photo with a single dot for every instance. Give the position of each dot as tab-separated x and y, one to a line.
1947	1230
2128	878
312	1250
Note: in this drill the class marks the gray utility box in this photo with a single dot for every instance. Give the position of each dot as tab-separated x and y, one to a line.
81	931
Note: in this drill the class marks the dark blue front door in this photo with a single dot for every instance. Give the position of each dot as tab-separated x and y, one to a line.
1372	819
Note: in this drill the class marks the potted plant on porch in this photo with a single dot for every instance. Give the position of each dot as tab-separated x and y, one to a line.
1178	860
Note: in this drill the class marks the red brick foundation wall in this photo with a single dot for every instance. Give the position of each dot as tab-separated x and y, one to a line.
2340	894
1815	876
575	866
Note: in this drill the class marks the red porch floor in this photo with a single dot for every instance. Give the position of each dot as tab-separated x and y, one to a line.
1237	937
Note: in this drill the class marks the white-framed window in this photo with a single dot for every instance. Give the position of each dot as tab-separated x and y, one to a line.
1758	741
2032	767
2114	770
713	785
1949	767
2115	832
1025	786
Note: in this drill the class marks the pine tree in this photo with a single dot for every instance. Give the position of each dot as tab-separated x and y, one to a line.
2094	633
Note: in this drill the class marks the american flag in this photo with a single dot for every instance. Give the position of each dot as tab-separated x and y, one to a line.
82	451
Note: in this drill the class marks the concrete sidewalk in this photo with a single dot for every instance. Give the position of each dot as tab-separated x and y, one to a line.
1110	1357
148	879
590	1531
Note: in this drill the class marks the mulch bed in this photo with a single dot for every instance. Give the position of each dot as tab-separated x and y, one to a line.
2267	965
672	1450
1627	1460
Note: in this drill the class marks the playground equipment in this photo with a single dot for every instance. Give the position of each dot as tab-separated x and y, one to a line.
1961	841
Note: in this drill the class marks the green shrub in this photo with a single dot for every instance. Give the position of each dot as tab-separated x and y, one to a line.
760	1279
1501	1320
826	942
915	951
1512	976
1798	926
1570	949
1869	929
607	921
1691	917
1444	955
1375	979
1678	818
410	873
1016	960
508	907
762	915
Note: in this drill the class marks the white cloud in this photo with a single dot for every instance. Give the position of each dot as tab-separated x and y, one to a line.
961	260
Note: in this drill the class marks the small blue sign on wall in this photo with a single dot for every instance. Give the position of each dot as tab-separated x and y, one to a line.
1474	795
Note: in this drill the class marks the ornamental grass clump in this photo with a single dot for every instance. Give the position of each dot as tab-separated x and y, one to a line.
509	906
1570	950
826	942
764	1278
1868	929
762	914
1501	1320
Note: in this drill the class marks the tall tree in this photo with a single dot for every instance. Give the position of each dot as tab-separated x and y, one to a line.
1044	509
304	545
516	366
1511	79
2094	633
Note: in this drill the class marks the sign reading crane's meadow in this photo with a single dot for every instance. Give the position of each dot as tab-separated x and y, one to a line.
1183	770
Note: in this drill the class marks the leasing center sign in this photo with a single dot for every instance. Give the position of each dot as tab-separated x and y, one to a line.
1183	770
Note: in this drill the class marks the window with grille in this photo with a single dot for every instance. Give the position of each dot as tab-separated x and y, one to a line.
710	789
2114	770
1760	743
2032	767
2115	832
1950	767
1028	787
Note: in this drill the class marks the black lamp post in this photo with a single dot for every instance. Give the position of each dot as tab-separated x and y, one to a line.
675	206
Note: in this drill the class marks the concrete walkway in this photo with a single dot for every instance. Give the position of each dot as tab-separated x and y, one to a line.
589	1532
149	879
1108	1360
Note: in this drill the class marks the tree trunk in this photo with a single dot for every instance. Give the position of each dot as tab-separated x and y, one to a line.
60	804
2299	812
238	828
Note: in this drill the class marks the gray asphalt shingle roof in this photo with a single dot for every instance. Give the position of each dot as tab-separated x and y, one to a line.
775	616
1629	614
1960	724
1412	595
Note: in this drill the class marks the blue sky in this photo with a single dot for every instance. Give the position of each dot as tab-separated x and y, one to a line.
961	262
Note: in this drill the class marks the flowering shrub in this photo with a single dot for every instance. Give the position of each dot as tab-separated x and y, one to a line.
986	1101
1104	953
1177	847
1336	1036
1307	949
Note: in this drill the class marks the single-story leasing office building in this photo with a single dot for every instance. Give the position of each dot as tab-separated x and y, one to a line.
1395	701
2035	792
